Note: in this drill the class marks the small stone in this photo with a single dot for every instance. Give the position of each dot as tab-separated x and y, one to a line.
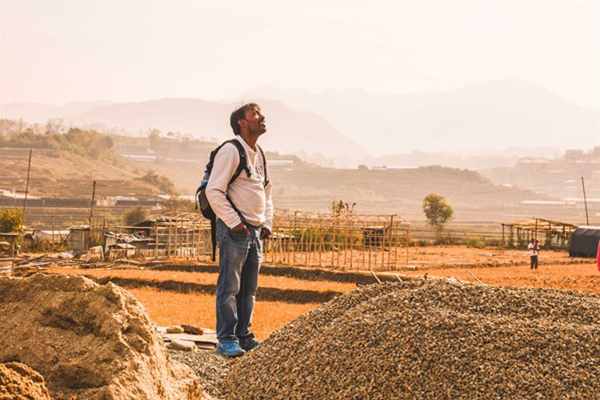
182	345
193	329
175	329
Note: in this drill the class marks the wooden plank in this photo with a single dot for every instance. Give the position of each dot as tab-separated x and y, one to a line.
6	267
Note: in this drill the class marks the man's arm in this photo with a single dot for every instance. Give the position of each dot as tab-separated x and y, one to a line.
224	166
268	225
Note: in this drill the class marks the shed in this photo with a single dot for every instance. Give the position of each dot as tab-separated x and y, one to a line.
79	239
9	241
584	242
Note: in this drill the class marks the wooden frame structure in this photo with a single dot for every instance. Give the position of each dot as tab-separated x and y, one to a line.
557	234
344	241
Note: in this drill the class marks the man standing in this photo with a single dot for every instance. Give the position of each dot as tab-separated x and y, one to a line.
534	251
245	218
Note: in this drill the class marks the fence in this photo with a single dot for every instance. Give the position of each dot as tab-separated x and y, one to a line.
344	240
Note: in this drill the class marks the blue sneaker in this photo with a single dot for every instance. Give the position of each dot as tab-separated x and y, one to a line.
230	349
249	344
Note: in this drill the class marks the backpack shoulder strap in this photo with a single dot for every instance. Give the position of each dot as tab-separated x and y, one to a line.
262	153
243	165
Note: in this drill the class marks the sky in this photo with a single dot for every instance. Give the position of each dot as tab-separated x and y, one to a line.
58	51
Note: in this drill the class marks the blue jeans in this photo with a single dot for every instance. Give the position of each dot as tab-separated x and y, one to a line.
240	257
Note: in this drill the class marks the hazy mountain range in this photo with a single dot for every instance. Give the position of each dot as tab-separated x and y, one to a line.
489	115
352	126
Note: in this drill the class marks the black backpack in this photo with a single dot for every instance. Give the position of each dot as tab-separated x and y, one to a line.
202	200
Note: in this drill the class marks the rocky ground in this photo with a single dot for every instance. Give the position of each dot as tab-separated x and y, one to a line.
20	382
212	368
431	340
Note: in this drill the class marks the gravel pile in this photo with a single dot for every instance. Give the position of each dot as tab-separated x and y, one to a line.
431	340
212	368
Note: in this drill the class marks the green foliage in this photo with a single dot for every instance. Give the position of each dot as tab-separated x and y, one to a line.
12	221
164	184
437	212
179	204
87	143
475	243
176	145
135	216
339	207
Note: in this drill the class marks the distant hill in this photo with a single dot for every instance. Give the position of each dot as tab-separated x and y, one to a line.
353	126
41	113
495	114
289	130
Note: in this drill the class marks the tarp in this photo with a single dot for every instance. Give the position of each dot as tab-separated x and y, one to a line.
584	242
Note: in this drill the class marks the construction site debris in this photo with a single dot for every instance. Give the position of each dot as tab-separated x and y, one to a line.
193	329
65	256
182	345
20	382
430	339
94	254
89	341
206	340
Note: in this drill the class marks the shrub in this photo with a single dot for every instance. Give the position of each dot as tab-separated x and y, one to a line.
12	221
135	216
179	204
474	242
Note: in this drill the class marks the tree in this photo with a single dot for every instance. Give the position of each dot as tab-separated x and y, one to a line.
437	212
179	204
135	216
339	207
11	221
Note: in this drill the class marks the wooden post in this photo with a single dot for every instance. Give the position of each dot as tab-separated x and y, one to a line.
473	275
587	218
156	240
92	204
27	184
364	246
169	241
407	244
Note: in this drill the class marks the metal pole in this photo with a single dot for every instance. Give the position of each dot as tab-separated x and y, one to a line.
27	184
585	201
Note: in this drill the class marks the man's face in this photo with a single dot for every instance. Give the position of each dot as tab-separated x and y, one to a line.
255	121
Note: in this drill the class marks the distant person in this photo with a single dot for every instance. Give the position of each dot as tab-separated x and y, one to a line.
534	251
245	218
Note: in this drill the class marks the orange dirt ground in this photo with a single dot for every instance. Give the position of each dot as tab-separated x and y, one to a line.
491	266
421	257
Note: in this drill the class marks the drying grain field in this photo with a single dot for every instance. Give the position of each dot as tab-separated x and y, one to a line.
185	293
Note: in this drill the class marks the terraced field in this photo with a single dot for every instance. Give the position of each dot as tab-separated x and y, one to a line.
184	293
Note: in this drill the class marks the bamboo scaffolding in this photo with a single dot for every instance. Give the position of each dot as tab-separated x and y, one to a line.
344	241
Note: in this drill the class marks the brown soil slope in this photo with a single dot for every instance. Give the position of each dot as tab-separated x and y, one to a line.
89	341
20	382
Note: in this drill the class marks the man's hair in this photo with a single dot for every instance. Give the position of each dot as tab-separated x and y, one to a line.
240	114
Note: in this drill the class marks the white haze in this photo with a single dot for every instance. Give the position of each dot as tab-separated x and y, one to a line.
325	53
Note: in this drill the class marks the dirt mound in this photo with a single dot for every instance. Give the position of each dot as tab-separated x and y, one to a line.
19	382
431	340
89	341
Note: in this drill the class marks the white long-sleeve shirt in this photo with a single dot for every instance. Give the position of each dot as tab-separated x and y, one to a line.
249	194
